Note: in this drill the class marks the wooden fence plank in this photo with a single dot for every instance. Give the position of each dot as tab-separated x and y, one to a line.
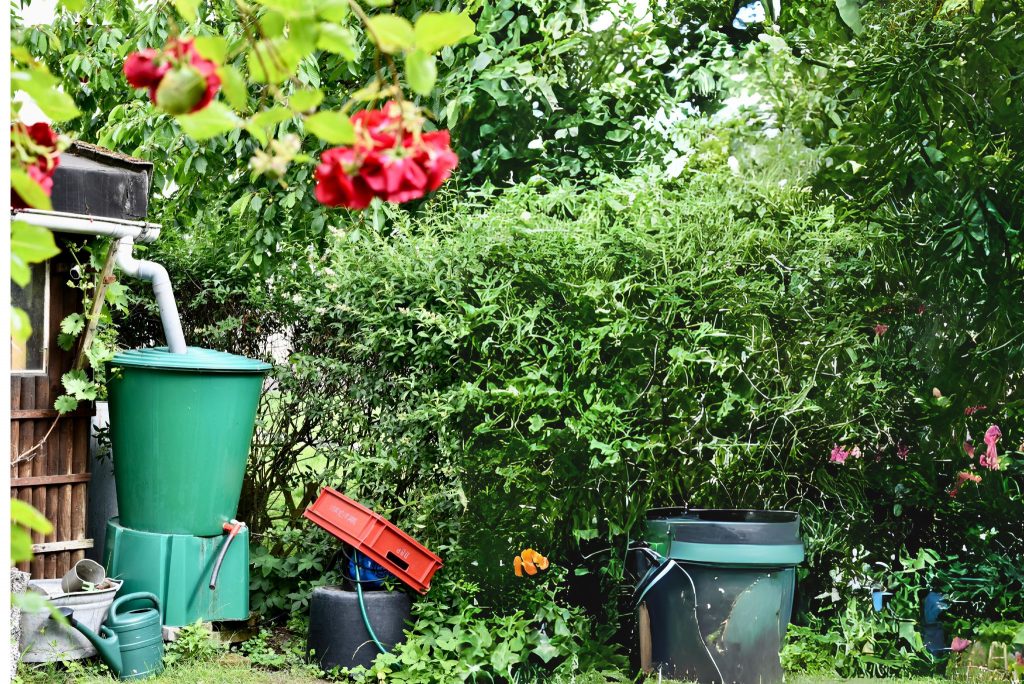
62	546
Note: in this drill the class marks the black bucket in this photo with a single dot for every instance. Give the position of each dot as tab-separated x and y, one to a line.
716	593
337	633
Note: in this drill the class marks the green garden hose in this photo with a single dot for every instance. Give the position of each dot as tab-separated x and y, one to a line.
362	604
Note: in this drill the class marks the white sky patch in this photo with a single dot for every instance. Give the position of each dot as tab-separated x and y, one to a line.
39	12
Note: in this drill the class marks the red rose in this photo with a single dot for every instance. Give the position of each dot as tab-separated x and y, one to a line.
378	128
43	135
337	181
148	68
394	176
390	159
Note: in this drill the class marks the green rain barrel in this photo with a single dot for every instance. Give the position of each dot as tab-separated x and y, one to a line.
716	593
180	428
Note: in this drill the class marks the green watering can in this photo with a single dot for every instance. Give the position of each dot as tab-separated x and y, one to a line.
132	642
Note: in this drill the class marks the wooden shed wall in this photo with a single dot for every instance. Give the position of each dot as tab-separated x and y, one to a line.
55	480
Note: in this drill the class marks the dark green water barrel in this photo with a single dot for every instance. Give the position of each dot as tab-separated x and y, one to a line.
716	594
180	428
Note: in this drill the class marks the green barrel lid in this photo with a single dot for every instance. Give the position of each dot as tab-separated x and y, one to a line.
195	359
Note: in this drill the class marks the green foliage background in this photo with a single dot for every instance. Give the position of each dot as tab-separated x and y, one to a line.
655	282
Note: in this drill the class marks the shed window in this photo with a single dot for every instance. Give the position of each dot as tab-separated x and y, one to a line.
30	356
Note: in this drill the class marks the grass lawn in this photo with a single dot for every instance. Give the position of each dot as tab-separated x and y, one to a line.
234	669
229	669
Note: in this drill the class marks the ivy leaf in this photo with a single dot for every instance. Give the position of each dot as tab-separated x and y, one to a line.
21	327
392	33
29	245
338	40
435	30
77	384
849	10
546	651
209	122
73	324
234	88
117	296
214	48
188	9
305	100
42	87
331	127
65	404
420	71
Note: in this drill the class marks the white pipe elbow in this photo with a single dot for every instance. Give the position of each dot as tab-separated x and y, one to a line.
162	290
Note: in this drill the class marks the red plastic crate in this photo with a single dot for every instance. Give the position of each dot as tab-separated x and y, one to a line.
372	535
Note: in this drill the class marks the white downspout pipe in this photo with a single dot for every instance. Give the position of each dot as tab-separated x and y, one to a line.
127	234
162	290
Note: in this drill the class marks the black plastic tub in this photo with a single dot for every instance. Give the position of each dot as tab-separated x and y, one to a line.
715	593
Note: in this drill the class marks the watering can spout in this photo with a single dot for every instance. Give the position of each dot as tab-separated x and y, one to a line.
108	646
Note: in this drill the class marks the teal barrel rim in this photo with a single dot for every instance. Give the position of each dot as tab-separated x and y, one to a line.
726	537
195	359
181	428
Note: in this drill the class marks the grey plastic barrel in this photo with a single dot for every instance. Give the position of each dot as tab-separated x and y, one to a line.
716	593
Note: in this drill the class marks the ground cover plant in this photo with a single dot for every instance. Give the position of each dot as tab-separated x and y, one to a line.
680	264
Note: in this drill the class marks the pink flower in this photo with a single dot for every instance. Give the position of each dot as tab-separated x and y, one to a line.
855	452
902	451
838	455
971	410
990	459
1019	655
959	645
881	329
962	477
969	448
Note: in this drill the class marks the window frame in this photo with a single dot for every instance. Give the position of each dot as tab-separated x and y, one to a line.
45	369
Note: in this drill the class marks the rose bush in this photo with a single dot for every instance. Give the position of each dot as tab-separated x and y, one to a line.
392	158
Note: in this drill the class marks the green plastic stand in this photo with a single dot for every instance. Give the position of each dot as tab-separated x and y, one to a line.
177	568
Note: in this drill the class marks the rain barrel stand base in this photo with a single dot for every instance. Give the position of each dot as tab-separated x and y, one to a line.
177	568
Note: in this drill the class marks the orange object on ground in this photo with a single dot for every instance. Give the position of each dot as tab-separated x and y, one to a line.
372	535
530	561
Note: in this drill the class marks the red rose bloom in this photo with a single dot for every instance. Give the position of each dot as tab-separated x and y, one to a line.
394	176
378	128
336	185
390	159
42	135
147	68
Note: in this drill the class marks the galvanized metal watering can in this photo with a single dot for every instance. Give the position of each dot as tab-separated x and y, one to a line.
130	641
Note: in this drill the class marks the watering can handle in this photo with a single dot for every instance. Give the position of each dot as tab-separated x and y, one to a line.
127	598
